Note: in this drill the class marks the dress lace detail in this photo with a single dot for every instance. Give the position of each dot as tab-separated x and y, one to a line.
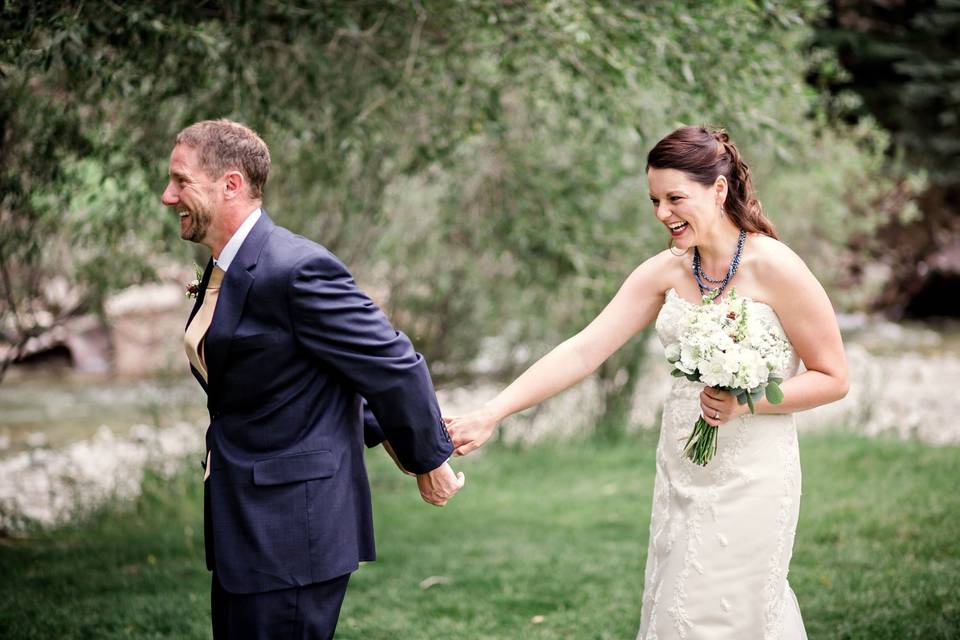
721	536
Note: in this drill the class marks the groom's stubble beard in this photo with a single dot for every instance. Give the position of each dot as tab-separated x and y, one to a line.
200	219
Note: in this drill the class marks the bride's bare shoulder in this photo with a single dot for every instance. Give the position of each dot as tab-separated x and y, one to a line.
777	267
657	273
769	253
664	267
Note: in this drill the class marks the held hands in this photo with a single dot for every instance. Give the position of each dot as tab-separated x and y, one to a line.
439	485
471	430
718	406
468	432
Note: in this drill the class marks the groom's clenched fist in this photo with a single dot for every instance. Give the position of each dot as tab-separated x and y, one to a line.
439	485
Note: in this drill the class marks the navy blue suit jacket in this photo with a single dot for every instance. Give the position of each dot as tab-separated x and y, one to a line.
303	367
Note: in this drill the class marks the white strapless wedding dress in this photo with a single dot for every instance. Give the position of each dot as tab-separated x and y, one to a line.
721	536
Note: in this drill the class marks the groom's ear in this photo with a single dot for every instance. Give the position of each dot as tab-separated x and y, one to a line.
233	184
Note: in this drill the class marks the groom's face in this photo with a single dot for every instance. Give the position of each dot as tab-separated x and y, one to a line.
191	192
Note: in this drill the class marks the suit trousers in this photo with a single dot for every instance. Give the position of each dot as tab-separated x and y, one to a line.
299	613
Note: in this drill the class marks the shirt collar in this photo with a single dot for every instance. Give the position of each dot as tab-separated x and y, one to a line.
229	251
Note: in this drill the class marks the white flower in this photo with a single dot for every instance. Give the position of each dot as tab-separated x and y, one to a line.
672	352
753	370
731	359
712	370
689	355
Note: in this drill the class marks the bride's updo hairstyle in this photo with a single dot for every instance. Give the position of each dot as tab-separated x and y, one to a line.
703	155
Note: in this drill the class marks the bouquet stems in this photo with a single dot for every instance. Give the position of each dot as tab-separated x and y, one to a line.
702	443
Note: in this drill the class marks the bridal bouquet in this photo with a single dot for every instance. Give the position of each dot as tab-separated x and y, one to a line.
723	345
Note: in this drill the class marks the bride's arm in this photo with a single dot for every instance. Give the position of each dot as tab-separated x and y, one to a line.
634	307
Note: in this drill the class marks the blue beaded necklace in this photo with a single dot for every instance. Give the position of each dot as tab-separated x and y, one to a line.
702	278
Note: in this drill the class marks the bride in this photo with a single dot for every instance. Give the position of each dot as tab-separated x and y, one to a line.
721	536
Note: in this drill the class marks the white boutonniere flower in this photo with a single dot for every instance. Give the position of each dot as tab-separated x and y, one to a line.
193	287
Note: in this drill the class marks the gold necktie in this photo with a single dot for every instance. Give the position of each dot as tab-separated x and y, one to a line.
193	338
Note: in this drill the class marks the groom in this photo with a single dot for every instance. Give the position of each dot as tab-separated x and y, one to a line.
300	368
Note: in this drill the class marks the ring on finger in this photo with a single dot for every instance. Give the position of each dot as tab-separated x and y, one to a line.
716	415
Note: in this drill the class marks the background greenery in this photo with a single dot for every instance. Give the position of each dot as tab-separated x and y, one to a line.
899	65
542	543
478	163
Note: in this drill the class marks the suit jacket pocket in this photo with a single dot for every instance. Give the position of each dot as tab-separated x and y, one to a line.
296	467
256	341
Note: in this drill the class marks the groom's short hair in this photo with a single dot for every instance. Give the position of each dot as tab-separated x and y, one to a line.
223	145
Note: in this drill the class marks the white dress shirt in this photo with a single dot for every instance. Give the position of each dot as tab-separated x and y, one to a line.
229	251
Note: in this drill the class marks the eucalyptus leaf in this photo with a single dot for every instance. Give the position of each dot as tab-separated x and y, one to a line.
774	393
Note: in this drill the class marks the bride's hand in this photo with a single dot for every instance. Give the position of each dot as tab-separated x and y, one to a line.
471	430
718	406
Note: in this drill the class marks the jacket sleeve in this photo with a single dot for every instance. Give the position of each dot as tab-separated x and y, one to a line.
341	326
372	433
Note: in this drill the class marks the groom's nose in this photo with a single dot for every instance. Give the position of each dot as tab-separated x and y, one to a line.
169	195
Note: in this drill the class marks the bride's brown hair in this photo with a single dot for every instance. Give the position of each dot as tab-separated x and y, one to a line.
703	154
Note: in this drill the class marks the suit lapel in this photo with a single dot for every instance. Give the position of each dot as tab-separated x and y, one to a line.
201	292
233	295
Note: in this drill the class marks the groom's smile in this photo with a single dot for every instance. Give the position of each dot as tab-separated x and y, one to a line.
185	222
194	224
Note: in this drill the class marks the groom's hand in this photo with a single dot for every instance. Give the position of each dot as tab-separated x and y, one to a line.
439	485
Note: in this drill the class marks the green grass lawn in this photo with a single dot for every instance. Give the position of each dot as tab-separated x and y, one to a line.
548	542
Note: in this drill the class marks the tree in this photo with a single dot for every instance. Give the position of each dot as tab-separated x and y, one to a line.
899	61
478	163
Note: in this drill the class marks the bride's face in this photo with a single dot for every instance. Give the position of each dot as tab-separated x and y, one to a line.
687	208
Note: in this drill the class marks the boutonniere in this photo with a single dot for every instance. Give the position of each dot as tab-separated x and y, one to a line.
193	287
